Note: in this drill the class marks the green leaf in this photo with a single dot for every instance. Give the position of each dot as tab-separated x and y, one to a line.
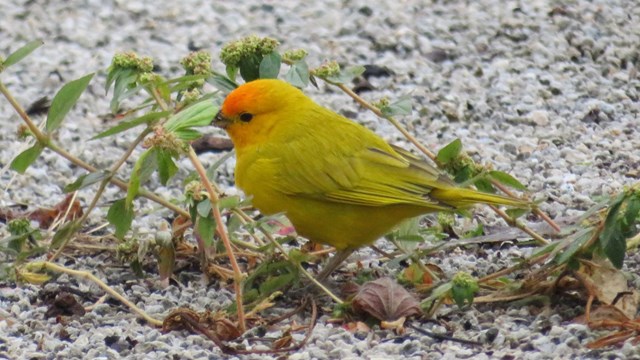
298	74
229	202
401	107
484	185
222	83
187	134
21	53
64	233
273	284
16	242
611	239
270	66
125	80
516	213
478	231
463	175
463	292
615	249
142	170
347	75
166	166
449	152
568	253
618	227
631	214
250	67
64	101
120	216
87	180
232	72
407	234
204	208
506	179
437	293
206	229
149	118
195	115
26	158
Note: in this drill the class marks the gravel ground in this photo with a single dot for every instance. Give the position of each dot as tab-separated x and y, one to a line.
546	90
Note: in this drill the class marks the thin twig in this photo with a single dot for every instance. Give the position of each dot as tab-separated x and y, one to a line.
238	276
515	223
442	337
284	254
296	347
44	140
535	210
89	276
509	270
103	185
393	121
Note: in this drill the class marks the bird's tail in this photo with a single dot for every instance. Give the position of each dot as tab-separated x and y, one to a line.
461	198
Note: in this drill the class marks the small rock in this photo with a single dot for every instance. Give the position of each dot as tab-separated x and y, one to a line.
539	117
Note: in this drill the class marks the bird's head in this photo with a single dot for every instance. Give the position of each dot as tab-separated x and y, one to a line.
251	112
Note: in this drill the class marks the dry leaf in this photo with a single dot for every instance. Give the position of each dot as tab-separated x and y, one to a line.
64	304
284	341
45	216
609	286
356	327
226	330
397	326
602	313
385	300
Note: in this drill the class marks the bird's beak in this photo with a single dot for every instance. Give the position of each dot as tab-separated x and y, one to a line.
220	120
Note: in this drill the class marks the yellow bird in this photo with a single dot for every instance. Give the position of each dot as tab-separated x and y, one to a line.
338	182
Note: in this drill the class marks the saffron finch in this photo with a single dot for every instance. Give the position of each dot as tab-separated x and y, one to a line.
338	182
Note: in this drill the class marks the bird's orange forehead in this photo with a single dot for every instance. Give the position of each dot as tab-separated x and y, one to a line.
240	99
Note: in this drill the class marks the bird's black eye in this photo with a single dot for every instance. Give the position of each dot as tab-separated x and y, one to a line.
246	117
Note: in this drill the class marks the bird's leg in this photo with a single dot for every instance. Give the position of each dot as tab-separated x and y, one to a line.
337	259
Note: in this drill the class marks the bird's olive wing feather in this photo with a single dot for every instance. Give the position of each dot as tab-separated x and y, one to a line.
363	170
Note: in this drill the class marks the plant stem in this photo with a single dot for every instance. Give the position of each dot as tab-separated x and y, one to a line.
304	271
45	141
515	223
392	120
238	276
535	210
40	137
101	188
509	270
87	275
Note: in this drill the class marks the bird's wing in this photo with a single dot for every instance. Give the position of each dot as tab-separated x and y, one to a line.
363	170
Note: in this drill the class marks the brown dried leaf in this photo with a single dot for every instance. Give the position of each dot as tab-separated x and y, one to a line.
284	341
385	300
610	287
64	304
602	314
46	216
616	338
357	327
397	326
179	226
166	262
226	330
